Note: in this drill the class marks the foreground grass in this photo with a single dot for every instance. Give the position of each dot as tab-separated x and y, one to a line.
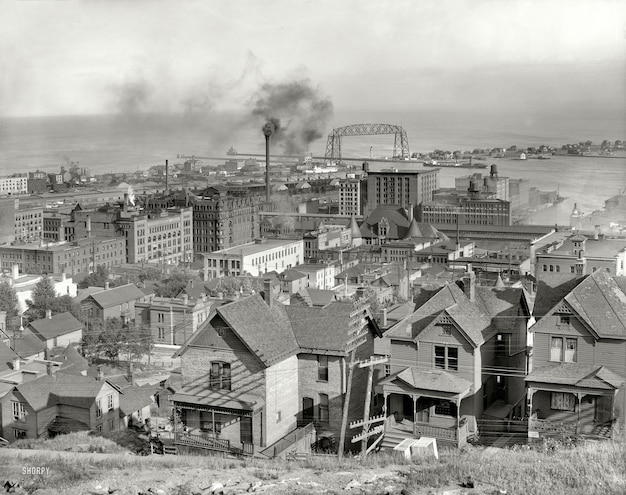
549	468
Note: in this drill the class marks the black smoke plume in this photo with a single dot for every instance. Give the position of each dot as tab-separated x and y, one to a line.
297	110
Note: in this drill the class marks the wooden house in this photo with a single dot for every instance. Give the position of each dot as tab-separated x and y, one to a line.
445	357
258	375
578	364
59	330
118	302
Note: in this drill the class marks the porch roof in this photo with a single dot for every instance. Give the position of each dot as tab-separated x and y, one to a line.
577	375
431	380
203	397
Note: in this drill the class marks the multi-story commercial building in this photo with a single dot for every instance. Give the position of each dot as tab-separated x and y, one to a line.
15	184
467	211
29	224
256	258
81	256
223	217
151	236
519	193
400	187
350	197
491	186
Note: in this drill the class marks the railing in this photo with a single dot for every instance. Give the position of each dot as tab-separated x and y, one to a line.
204	442
547	426
436	431
287	441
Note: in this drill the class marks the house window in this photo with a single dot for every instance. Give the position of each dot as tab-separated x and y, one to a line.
160	317
562	401
323	408
322	368
220	376
564	319
111	424
19	411
445	409
99	428
559	353
110	402
161	332
19	433
98	408
446	358
387	369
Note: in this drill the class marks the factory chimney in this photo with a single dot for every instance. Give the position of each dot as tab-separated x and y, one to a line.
166	174
268	130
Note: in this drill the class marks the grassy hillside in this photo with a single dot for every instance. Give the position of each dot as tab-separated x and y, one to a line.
547	468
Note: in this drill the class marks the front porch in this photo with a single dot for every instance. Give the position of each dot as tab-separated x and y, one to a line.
427	404
215	422
572	400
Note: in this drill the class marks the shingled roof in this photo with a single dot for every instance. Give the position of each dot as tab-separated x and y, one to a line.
263	328
277	332
117	295
598	300
72	390
61	324
452	301
577	375
136	398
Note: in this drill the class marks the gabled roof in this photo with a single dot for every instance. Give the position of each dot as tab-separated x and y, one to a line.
7	355
577	375
61	324
27	344
70	358
397	218
201	395
291	275
502	304
263	329
321	330
597	299
136	398
117	295
316	297
452	302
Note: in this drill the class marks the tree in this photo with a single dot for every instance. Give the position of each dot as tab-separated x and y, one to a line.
97	278
172	286
44	297
8	300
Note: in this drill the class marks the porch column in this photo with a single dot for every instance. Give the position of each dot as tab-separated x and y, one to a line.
579	397
385	395
458	427
415	398
213	423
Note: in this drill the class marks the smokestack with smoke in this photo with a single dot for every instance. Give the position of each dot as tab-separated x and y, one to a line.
270	127
298	111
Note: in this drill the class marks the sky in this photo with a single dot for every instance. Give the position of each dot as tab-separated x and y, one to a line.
63	57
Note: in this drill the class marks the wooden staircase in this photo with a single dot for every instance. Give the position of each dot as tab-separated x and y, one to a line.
392	438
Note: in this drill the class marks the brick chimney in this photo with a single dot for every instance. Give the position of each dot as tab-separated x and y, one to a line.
267	292
469	284
100	375
106	286
16	363
185	299
131	375
48	314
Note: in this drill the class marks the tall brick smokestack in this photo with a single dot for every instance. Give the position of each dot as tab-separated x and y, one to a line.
268	130
166	174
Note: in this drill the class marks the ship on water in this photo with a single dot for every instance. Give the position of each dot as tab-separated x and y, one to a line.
454	164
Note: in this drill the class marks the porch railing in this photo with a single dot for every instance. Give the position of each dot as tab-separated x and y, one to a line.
551	427
435	431
204	442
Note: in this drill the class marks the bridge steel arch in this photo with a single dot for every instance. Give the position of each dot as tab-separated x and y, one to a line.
333	145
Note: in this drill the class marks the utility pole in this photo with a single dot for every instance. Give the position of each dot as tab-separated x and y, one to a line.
356	337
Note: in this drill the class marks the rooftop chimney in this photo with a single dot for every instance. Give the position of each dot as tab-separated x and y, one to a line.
100	375
131	375
384	318
469	284
106	286
267	292
16	363
185	299
88	225
48	313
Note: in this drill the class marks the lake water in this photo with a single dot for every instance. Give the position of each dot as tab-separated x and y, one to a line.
122	143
